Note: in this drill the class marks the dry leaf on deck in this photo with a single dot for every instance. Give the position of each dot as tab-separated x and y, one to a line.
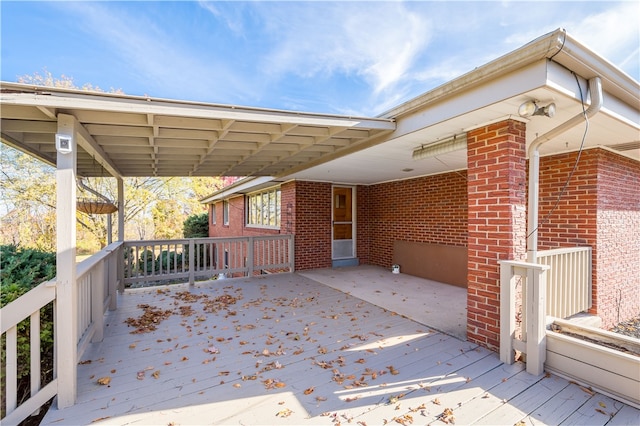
284	413
308	390
104	380
404	420
447	416
587	390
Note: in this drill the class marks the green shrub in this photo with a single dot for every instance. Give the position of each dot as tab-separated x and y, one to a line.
22	270
196	226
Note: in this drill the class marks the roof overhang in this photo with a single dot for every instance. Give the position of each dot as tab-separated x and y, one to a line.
143	136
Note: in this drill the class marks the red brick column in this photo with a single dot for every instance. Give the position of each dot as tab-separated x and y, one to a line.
496	159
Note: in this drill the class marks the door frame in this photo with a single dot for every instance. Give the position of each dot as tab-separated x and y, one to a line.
353	221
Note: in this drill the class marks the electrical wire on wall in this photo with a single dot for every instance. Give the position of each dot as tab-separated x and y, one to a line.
575	165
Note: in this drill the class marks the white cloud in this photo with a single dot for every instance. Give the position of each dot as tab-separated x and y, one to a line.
376	41
614	33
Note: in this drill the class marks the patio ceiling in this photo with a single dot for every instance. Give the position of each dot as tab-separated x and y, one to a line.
141	136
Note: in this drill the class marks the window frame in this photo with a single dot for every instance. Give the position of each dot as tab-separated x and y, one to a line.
257	216
225	212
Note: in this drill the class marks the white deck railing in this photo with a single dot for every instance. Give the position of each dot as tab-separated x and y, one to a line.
97	283
98	279
559	285
161	261
568	280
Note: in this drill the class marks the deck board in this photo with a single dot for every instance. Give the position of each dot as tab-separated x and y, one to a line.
321	344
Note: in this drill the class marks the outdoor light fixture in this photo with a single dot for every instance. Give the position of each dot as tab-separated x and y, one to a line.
64	143
530	108
444	146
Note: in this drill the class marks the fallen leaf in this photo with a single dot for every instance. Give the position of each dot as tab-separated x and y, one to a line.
436	401
587	390
156	374
447	416
602	404
284	413
308	390
404	420
104	380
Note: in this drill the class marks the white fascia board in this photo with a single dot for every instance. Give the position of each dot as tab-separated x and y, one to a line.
241	186
516	83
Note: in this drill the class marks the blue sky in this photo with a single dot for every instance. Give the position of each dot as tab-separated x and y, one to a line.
359	58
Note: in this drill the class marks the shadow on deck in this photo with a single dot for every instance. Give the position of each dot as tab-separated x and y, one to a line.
285	349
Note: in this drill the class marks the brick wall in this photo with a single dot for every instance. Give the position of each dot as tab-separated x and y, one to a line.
312	225
430	209
601	209
618	256
497	221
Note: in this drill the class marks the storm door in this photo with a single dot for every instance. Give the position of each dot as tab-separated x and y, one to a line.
343	221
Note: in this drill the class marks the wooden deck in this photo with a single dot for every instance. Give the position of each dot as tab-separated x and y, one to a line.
284	349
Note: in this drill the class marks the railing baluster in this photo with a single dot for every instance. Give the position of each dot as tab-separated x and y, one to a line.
34	372
11	372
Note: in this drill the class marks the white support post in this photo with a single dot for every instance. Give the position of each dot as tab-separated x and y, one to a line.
507	317
120	261
534	334
536	315
120	209
66	317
